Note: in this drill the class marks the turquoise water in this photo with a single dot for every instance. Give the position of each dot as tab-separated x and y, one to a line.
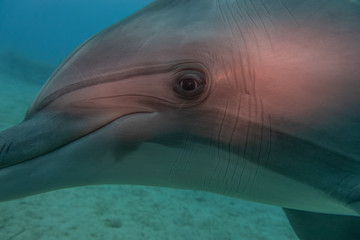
49	30
35	36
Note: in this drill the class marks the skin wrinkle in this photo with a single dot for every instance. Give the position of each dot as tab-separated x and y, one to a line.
256	108
207	184
246	146
267	12
230	28
226	22
238	146
228	79
263	26
250	73
254	132
258	160
238	43
312	12
289	12
218	145
231	139
251	29
248	31
231	136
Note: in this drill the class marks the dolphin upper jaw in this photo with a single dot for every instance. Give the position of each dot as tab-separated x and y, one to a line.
21	143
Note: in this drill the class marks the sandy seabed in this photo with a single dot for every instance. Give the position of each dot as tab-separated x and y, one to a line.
111	212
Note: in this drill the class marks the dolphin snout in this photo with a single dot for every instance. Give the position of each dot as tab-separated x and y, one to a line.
39	135
23	142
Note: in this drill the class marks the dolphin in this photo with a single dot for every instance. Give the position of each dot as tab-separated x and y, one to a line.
256	100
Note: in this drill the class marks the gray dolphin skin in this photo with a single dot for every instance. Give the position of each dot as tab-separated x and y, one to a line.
258	100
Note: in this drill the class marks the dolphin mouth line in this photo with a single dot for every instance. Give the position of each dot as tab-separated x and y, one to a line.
9	147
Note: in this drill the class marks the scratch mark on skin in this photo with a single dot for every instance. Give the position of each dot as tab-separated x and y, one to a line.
147	41
16	234
289	12
7	148
4	150
1	149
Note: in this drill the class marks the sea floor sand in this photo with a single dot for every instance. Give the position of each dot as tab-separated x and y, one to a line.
111	212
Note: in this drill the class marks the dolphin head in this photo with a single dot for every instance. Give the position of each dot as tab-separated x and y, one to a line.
205	99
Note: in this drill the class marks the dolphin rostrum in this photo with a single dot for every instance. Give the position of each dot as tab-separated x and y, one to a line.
252	99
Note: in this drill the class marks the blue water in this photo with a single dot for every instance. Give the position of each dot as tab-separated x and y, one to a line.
35	36
48	31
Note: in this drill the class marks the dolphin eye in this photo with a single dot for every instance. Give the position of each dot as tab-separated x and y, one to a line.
190	84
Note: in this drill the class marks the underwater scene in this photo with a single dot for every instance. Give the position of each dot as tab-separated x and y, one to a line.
81	195
36	35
